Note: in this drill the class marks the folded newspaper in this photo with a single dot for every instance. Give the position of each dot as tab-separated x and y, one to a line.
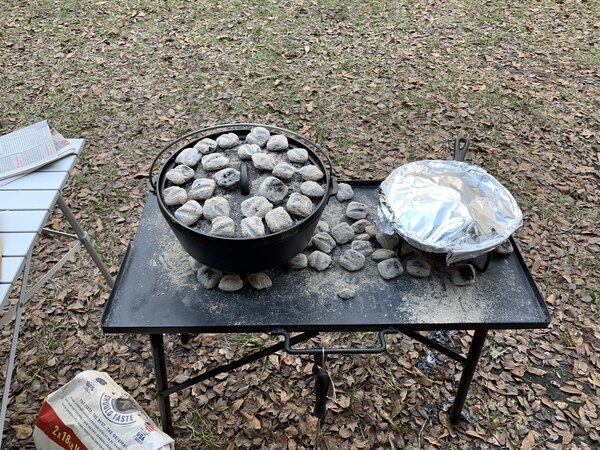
29	148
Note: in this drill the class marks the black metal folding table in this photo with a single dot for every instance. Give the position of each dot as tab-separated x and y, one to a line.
156	293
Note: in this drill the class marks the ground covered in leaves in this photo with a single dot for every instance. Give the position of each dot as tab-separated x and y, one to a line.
378	84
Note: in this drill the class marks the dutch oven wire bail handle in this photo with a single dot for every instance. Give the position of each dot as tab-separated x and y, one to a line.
151	181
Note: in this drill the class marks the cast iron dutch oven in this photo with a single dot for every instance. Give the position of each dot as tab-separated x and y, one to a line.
244	255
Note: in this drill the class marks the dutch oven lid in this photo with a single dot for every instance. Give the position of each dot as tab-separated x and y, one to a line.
157	183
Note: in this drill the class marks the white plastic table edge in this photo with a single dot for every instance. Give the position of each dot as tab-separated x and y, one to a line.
11	194
21	220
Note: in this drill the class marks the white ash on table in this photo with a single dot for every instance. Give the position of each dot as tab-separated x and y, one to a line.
203	188
344	246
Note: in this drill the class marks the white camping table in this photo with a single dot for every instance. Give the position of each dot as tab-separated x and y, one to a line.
25	205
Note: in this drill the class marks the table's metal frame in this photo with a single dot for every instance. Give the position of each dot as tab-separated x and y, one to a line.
306	328
164	391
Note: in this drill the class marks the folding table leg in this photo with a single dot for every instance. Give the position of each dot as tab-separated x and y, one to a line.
467	374
162	382
13	346
84	239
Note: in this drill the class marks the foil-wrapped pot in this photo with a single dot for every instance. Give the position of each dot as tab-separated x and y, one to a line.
448	207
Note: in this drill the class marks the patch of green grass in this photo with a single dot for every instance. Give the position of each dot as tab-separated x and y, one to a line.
489	39
196	431
553	281
492	418
595	295
150	5
568	339
589	57
357	384
245	340
546	212
421	100
49	339
595	263
575	213
53	295
495	352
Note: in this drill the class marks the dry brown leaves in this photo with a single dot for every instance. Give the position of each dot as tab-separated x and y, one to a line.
378	84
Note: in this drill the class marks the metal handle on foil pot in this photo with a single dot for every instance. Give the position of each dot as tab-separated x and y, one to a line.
461	145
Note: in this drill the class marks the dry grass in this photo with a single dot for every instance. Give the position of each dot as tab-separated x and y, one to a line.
378	84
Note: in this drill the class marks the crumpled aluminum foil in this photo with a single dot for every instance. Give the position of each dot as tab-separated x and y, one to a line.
447	207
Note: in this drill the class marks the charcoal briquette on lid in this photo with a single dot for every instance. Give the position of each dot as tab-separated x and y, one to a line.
189	213
273	189
180	174
189	157
299	204
278	220
228	140
245	151
214	161
215	207
207	142
258	136
297	155
312	189
284	171
263	161
202	189
310	173
175	195
227	177
257	206
223	226
277	143
252	227
205	148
